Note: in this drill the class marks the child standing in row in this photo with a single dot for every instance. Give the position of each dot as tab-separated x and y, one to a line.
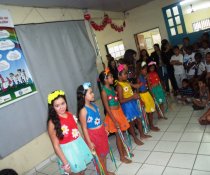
73	154
129	104
156	87
177	62
146	96
93	129
115	119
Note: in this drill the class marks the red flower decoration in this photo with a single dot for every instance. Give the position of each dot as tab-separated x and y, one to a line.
109	97
115	98
87	16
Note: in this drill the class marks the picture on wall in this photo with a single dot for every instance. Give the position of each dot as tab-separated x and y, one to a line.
15	79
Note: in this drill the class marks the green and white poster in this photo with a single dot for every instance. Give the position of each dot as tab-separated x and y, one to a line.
15	79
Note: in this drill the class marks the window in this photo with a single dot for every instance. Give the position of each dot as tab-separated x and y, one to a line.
116	49
201	25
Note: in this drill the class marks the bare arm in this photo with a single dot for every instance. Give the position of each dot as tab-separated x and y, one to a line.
108	110
82	117
120	95
55	143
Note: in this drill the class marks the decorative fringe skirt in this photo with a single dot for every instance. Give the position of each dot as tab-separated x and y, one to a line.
119	117
159	94
148	102
100	139
131	110
77	154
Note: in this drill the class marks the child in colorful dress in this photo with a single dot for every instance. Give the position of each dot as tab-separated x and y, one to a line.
115	118
156	87
129	104
146	96
92	126
73	153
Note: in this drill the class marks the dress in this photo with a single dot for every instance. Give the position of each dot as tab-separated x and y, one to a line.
157	90
117	113
73	146
146	96
97	131
130	108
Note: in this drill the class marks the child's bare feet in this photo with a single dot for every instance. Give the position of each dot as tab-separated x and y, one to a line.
138	142
125	160
145	136
154	128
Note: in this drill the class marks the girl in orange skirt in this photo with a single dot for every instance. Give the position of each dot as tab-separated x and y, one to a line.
115	118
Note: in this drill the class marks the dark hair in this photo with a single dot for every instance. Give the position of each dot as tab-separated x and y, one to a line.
102	77
175	47
185	80
208	53
110	64
53	116
186	38
8	172
198	55
81	92
128	56
189	48
144	50
164	41
156	45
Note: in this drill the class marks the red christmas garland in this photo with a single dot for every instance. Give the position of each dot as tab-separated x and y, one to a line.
106	20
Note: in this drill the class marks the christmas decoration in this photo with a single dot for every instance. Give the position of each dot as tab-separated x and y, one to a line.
105	21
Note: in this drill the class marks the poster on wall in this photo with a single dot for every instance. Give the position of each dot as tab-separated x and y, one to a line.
16	81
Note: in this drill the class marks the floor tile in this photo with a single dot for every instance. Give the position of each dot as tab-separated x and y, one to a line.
196	172
155	135
140	156
182	161
52	167
158	158
204	149
194	120
191	137
148	145
179	120
163	127
176	128
187	147
171	136
165	146
202	163
192	127
176	171
111	165
130	169
206	137
184	113
207	128
150	170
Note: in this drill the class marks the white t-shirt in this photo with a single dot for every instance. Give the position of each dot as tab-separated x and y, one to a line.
201	68
189	59
207	67
178	69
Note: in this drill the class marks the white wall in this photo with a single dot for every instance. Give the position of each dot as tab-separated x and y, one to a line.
139	19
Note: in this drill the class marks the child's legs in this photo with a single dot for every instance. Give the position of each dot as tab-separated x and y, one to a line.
132	132
140	128
103	163
119	145
152	127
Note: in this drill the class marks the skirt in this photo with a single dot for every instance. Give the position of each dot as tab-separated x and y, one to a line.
148	102
159	94
131	110
100	139
77	154
119	117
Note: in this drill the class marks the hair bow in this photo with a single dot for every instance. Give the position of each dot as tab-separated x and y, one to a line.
120	67
152	63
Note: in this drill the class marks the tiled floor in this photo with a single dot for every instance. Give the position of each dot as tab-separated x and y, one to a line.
182	147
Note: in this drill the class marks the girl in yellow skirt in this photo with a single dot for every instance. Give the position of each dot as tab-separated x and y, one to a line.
146	96
115	119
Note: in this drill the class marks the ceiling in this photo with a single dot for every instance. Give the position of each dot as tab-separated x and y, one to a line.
105	5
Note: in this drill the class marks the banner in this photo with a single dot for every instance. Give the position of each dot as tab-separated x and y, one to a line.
15	79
